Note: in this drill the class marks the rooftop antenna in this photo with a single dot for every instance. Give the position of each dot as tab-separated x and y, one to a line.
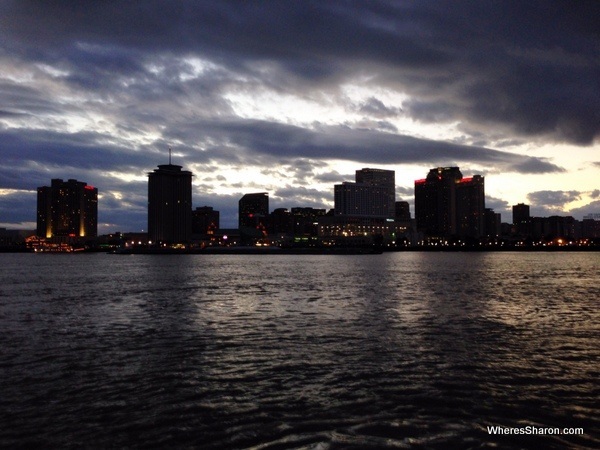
169	155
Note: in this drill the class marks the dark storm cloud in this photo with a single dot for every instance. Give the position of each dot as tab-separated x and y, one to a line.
528	67
363	146
83	150
250	142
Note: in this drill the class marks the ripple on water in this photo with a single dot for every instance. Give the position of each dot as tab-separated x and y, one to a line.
406	350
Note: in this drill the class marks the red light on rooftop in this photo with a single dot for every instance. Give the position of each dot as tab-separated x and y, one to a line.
421	181
466	180
91	188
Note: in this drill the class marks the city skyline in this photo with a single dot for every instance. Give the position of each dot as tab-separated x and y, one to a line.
291	98
446	205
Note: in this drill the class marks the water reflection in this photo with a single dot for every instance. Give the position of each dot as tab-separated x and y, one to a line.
406	349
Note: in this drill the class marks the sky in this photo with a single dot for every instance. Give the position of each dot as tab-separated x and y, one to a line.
292	97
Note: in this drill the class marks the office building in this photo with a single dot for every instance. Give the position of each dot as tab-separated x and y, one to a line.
169	205
435	202
521	219
253	210
306	220
446	204
590	226
493	223
67	209
402	213
372	195
470	207
205	220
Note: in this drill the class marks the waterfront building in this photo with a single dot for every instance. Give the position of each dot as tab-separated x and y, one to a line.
590	226
67	209
470	207
169	204
521	219
306	220
435	202
493	223
372	195
446	204
205	220
253	210
402	212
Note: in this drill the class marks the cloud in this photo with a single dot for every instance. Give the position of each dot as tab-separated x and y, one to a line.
279	151
499	206
548	203
590	208
99	90
527	67
553	198
375	107
260	139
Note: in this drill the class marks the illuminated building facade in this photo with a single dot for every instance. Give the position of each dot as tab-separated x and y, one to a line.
169	205
67	209
446	204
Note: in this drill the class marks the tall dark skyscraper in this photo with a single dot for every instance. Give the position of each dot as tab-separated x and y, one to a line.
447	204
253	210
435	201
169	204
371	196
470	207
67	208
521	219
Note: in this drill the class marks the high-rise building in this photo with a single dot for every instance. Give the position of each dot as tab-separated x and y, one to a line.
446	204
435	201
253	210
470	207
169	204
521	219
67	208
372	195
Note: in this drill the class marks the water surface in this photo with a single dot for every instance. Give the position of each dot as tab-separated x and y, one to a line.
400	350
